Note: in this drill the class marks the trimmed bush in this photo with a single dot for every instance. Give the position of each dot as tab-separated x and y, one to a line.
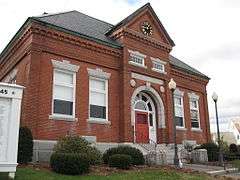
233	148
212	150
69	163
120	161
134	153
78	145
25	145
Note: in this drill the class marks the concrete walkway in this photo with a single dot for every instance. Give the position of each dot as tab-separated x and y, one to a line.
212	170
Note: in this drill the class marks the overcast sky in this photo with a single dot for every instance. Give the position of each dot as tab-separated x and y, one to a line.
206	34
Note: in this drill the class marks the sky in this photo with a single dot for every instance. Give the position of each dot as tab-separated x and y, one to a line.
206	34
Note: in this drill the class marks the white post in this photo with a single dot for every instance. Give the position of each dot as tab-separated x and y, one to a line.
10	108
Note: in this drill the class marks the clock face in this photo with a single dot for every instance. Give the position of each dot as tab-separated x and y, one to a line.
147	28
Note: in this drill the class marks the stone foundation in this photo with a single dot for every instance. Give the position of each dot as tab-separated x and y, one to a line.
164	154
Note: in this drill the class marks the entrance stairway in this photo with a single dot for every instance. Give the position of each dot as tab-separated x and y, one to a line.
164	153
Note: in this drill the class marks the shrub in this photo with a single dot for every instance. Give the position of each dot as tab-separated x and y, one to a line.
25	145
212	150
69	163
76	144
120	161
233	148
134	153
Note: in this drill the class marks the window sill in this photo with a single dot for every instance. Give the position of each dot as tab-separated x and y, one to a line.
62	117
196	130
181	128
135	64
98	121
156	70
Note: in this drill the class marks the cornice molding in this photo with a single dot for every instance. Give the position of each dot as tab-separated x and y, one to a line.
15	45
188	76
62	36
139	37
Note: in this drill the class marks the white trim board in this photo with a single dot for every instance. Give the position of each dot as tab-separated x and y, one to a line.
147	78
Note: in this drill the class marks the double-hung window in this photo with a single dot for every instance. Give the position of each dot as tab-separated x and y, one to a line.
63	95
98	95
64	88
194	110
179	108
98	98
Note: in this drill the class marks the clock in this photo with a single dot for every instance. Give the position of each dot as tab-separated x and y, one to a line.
147	28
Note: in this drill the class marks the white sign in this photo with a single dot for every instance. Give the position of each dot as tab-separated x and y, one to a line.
10	108
4	123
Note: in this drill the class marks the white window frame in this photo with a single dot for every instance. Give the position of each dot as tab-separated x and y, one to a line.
157	61
99	75
194	97
136	54
180	94
64	67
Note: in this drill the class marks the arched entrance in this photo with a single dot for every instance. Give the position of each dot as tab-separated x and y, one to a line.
145	119
157	106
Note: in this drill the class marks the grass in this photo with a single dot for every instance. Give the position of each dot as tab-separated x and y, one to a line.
28	173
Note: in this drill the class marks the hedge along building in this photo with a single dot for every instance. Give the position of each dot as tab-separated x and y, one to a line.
107	83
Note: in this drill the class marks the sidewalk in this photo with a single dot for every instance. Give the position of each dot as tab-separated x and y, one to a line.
212	170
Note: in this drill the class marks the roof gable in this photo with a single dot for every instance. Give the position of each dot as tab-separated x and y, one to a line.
146	12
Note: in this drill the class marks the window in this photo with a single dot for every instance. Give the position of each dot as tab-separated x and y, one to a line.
179	108
98	98
158	65
64	88
98	95
63	93
194	110
178	111
136	58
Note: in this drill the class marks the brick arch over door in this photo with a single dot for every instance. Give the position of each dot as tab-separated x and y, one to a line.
158	100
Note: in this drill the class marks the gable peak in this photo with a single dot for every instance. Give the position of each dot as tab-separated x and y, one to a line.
135	14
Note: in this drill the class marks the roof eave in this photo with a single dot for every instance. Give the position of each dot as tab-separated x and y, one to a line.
76	33
33	19
191	72
17	34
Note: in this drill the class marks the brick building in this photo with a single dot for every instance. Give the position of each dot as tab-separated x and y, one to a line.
108	83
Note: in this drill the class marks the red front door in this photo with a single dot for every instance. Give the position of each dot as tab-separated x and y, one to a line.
142	129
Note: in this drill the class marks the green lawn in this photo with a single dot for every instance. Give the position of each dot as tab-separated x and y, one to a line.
33	174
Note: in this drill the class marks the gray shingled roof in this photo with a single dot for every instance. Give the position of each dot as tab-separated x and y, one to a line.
80	23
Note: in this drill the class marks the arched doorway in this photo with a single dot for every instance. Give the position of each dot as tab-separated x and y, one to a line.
145	126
